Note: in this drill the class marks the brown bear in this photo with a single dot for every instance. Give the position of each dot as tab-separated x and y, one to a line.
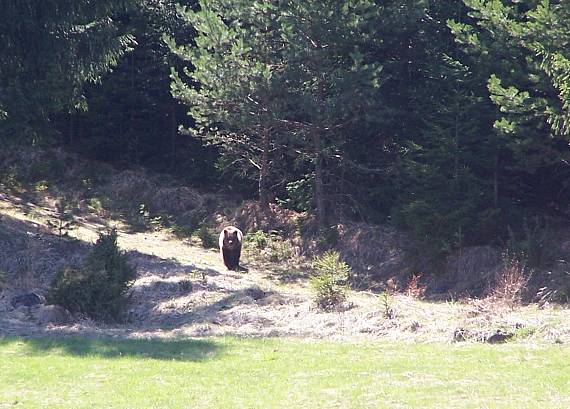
230	246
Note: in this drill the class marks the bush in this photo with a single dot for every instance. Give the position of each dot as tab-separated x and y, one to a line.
279	251
328	237
180	231
99	287
64	219
273	247
414	288
387	308
329	282
532	243
209	240
186	285
259	239
511	281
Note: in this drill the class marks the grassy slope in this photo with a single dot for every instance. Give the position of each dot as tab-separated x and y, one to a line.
275	373
264	373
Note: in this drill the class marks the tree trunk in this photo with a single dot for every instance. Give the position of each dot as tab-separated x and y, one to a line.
319	185
173	132
264	172
71	129
496	180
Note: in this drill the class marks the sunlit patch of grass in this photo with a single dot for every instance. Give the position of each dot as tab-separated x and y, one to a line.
278	373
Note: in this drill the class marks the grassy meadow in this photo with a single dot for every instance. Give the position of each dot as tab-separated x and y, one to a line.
229	372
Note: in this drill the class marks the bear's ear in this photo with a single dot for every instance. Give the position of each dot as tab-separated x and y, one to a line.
225	232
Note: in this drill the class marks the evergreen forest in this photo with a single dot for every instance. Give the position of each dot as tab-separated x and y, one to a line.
447	119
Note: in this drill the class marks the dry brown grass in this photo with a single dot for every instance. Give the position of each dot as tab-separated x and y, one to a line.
469	270
374	251
250	217
131	186
220	302
176	200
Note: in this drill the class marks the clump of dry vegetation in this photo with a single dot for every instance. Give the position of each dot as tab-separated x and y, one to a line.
252	218
415	288
510	281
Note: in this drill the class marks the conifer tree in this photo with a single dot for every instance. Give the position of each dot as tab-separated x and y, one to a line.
233	97
262	69
522	45
520	48
49	49
332	76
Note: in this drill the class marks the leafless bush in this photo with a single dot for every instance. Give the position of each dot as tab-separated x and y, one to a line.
414	288
511	281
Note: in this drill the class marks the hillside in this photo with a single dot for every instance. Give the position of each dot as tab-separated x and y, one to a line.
183	289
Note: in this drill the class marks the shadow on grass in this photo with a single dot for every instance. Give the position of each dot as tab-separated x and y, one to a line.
286	274
189	350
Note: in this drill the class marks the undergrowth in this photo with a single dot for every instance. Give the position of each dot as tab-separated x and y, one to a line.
99	287
511	281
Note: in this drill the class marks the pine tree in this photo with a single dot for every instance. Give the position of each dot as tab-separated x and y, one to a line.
49	49
518	49
295	72
333	79
132	117
521	48
231	89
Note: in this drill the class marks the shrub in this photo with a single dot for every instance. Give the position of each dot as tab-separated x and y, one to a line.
208	239
386	303
414	288
64	219
328	237
180	231
99	287
148	220
186	285
259	239
532	242
141	219
279	251
96	204
272	245
10	177
330	279
511	281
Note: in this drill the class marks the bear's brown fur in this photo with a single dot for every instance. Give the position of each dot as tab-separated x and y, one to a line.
230	246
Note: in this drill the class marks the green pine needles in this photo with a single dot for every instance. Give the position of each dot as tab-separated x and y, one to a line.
99	287
330	280
64	219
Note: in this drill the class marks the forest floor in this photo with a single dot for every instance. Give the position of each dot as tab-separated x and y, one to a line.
183	290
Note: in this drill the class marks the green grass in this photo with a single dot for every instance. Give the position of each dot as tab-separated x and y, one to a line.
278	373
